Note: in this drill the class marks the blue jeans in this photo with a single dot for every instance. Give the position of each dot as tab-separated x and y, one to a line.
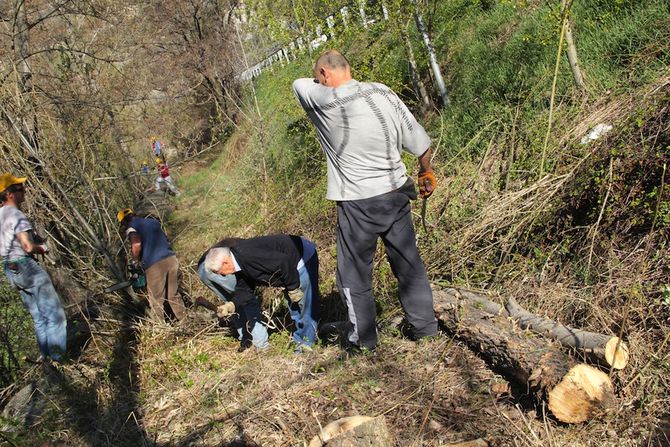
305	313
41	300
221	285
224	286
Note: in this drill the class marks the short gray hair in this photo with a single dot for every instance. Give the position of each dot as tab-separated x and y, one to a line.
332	59
215	258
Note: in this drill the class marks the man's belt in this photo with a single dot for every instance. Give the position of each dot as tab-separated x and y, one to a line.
13	264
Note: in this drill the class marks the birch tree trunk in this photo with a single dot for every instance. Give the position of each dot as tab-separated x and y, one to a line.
419	86
435	67
572	57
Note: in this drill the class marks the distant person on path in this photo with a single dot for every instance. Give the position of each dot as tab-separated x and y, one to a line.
18	247
363	128
145	167
149	246
164	178
281	260
156	146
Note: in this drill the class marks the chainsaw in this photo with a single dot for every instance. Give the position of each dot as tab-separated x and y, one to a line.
136	279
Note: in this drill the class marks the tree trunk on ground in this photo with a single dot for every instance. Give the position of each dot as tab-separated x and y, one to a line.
599	348
575	392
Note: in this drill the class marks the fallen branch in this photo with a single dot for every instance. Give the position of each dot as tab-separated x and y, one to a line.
599	348
575	392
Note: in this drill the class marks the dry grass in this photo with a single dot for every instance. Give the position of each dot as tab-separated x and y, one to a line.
429	393
197	387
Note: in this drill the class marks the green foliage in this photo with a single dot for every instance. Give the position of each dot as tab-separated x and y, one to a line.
17	339
665	296
622	42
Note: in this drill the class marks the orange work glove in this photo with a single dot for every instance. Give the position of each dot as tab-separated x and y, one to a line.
427	184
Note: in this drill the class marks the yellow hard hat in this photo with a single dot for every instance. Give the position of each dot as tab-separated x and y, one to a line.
7	180
123	213
158	160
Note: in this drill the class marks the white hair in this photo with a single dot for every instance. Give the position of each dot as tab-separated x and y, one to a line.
215	257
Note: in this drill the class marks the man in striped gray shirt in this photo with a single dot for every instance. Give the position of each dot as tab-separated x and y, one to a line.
363	128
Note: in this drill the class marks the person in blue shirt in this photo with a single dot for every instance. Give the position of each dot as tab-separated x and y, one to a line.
149	246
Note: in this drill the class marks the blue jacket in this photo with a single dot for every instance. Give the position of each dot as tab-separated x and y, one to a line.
155	244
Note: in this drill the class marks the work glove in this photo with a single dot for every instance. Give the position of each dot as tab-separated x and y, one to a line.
225	310
294	295
427	184
133	264
134	269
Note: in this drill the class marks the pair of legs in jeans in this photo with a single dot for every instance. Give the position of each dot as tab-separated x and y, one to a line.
168	182
41	300
359	224
304	313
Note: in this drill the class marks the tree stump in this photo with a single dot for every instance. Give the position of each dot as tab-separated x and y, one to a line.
354	431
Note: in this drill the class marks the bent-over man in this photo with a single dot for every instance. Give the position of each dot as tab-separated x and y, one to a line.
223	287
363	128
286	261
149	246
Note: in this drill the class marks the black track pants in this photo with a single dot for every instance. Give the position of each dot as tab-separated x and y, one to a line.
359	223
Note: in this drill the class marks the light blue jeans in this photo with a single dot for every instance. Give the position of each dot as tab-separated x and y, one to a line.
305	313
224	286
41	300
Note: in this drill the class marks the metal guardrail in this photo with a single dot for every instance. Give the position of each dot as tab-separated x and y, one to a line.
288	52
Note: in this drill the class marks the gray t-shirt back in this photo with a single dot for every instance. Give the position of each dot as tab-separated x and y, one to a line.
12	222
363	128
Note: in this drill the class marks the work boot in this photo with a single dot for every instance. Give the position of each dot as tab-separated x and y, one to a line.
334	332
244	345
351	350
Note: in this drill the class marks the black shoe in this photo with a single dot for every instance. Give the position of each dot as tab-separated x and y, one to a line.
334	332
244	345
351	351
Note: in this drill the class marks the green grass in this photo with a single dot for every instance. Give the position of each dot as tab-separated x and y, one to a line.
17	335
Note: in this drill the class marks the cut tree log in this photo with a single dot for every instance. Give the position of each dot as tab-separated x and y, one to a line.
575	392
599	348
478	301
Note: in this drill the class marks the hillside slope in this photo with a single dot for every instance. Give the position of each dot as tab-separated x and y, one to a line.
582	238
